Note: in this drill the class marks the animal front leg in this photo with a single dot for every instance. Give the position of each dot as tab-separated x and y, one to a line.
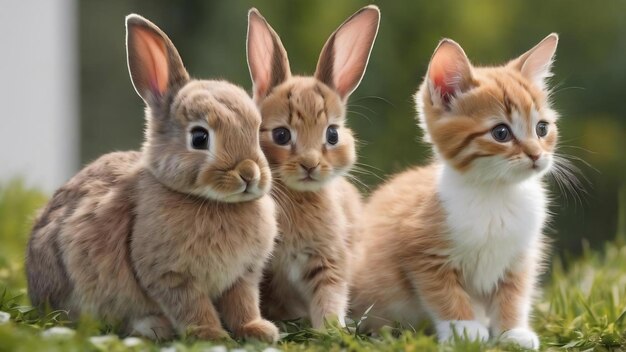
510	308
190	310
240	310
439	288
328	289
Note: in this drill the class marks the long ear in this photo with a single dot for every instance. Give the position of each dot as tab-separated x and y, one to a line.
345	55
267	58
535	64
449	72
153	62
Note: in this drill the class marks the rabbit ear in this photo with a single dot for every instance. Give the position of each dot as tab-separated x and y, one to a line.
345	55
153	62
536	63
267	58
449	72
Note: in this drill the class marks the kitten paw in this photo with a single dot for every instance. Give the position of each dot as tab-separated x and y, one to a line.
260	329
465	329
524	337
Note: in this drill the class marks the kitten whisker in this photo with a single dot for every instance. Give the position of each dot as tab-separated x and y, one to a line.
564	172
554	91
578	159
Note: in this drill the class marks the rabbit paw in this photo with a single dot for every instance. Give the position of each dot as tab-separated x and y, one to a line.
523	337
209	333
154	327
260	329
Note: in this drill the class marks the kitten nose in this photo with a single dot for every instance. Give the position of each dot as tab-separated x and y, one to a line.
534	157
532	149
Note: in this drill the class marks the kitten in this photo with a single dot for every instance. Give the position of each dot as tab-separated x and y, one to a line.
459	241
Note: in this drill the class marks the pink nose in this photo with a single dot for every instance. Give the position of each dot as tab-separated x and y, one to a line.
534	157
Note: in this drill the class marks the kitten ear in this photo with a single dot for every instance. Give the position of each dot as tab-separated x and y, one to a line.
346	53
536	63
449	72
267	58
153	62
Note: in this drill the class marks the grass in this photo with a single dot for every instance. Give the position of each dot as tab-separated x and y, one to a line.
583	307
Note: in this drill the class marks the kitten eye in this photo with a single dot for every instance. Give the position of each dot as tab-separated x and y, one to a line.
332	136
542	129
281	135
199	138
501	133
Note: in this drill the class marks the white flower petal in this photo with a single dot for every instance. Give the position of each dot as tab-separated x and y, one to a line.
132	342
61	332
4	317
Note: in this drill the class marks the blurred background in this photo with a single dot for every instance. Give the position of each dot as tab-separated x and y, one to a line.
66	97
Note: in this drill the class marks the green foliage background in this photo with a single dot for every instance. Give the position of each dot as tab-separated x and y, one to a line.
590	77
582	308
584	302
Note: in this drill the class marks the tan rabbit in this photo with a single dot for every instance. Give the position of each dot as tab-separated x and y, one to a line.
310	149
459	241
173	238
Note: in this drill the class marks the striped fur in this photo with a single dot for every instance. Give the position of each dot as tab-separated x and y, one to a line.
318	208
459	241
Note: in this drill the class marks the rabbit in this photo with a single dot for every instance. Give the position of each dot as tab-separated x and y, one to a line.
171	240
310	150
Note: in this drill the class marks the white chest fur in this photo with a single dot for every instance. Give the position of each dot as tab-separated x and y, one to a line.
490	225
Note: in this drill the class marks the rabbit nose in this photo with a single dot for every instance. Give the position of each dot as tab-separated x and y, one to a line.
248	171
309	169
309	161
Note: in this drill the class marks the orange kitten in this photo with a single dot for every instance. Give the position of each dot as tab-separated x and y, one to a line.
459	241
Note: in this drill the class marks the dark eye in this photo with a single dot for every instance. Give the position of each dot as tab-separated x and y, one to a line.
332	136
501	133
281	135
542	129
199	138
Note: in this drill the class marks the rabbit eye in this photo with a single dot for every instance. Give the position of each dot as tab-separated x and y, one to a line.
281	135
501	133
332	136
199	138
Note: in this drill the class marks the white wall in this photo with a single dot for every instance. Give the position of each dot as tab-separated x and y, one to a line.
38	91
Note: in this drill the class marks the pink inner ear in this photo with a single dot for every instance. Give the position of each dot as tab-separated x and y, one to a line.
537	65
260	54
440	73
352	46
152	55
448	69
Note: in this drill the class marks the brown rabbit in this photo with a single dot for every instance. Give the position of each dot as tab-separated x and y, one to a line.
304	137
172	238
